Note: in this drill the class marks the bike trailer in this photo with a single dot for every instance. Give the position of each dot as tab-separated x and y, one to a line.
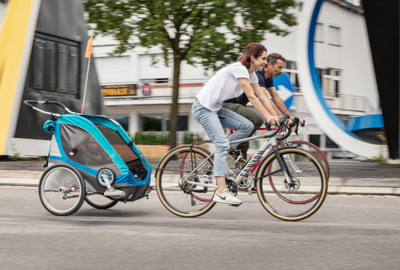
96	145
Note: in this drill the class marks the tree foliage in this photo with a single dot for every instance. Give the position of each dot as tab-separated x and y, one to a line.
209	33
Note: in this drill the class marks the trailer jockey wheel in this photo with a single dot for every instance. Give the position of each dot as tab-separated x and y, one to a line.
106	174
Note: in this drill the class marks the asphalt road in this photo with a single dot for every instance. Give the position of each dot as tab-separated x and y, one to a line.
348	232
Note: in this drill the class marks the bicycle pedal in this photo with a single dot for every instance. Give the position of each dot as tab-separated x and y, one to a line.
235	205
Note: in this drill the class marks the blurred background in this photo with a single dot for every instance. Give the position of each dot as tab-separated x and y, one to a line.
151	58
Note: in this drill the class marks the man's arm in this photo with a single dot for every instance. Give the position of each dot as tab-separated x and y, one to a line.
264	99
278	112
278	100
249	90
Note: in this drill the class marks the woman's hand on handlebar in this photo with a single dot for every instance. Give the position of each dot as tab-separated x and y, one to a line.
273	120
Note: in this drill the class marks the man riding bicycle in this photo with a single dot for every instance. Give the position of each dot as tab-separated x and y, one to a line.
273	68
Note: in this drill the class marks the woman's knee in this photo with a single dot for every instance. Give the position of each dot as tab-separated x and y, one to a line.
222	145
247	127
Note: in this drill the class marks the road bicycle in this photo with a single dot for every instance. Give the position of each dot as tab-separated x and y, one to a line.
233	164
291	182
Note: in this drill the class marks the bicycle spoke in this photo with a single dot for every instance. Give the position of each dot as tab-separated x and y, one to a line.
175	192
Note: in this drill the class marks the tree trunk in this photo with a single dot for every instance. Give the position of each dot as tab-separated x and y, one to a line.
174	105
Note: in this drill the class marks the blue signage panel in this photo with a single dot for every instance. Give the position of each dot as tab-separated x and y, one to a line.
285	88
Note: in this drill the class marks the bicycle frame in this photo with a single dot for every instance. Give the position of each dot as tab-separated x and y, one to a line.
293	165
230	132
256	158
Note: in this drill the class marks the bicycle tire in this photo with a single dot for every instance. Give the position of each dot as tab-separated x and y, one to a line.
170	181
58	182
311	192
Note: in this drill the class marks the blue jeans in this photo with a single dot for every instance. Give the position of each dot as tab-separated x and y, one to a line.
214	129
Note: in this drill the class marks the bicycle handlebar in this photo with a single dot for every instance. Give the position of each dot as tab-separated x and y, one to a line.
291	125
30	102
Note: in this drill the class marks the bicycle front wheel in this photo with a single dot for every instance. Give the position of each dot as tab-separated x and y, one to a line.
62	190
176	194
296	200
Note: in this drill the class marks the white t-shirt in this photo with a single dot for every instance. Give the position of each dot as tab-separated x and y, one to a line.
224	85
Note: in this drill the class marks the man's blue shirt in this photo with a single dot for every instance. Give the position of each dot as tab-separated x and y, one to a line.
266	83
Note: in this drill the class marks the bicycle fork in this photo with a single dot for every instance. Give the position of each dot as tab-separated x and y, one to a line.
282	164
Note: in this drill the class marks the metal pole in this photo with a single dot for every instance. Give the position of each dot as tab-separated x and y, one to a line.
84	93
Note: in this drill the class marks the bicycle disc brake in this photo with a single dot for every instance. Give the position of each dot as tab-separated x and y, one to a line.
294	186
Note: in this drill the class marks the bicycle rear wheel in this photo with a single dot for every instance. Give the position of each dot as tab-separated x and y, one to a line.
62	190
297	201
178	196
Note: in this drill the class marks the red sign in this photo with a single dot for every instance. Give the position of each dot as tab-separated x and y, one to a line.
146	89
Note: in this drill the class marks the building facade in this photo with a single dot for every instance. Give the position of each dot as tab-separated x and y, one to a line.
342	57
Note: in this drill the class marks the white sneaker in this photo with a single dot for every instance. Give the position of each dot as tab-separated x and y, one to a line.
226	197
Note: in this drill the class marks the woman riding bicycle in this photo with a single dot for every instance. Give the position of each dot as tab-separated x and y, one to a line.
230	82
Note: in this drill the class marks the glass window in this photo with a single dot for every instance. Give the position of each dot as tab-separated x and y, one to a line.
315	139
330	143
39	50
331	82
318	32
334	35
155	80
152	123
182	124
320	73
54	65
162	122
336	88
291	71
300	6
122	120
50	65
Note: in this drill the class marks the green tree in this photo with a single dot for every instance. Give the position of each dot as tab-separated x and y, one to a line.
205	32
